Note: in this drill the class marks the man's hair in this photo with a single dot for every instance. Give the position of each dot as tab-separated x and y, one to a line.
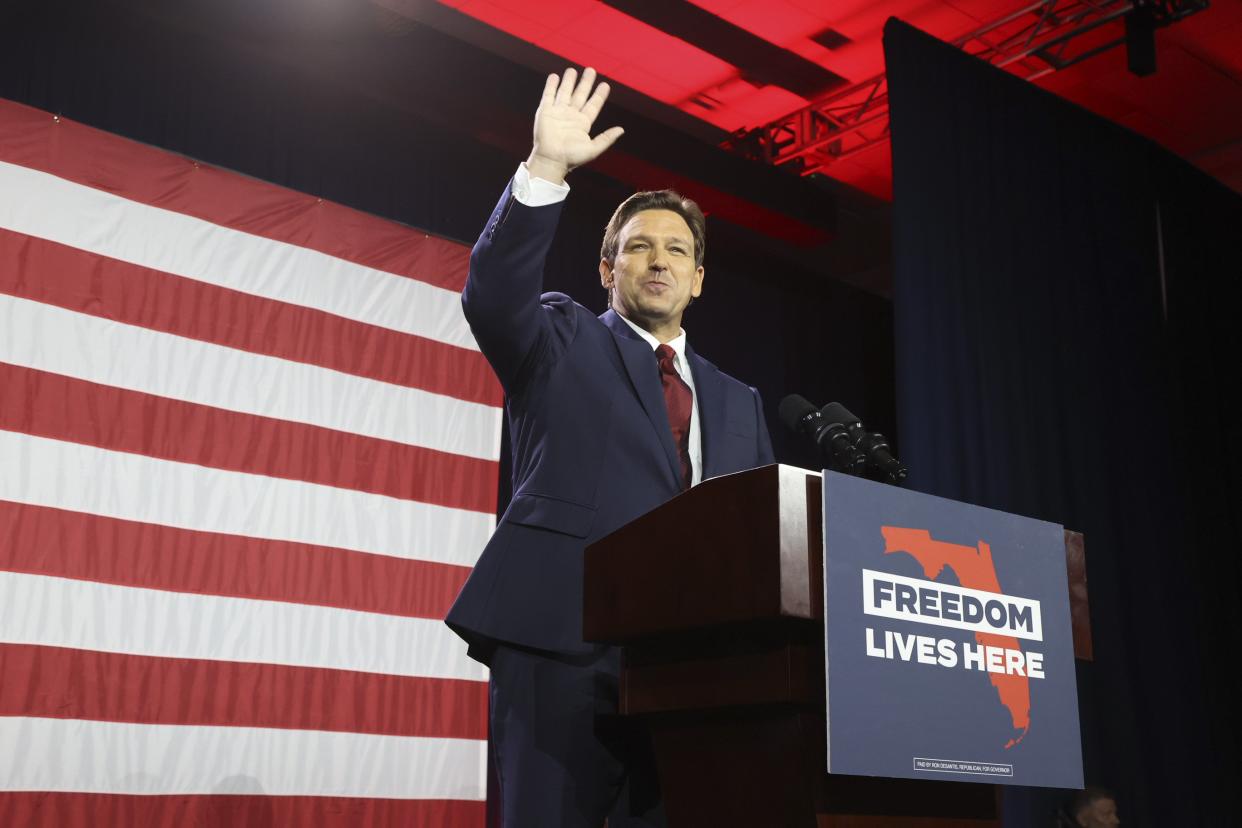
1087	797
655	200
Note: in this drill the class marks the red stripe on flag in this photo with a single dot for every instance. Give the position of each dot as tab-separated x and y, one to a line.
34	139
66	683
63	408
84	810
55	274
40	540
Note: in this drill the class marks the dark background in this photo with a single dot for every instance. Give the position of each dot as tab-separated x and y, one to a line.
1065	299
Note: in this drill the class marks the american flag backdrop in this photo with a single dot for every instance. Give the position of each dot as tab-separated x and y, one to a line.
248	454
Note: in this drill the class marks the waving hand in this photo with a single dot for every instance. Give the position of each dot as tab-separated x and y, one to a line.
563	125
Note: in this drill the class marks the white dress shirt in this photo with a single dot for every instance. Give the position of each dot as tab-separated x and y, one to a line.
536	192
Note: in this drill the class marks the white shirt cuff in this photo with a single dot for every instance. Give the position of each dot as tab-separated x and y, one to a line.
536	192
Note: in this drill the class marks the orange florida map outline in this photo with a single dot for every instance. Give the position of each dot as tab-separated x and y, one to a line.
975	570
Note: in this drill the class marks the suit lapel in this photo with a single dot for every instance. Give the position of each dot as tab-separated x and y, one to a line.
640	365
709	388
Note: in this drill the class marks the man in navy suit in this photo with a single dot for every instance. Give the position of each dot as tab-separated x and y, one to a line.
610	417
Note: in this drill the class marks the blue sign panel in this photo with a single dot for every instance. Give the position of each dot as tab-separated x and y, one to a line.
948	648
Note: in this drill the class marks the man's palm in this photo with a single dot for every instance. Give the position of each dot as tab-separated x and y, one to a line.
564	118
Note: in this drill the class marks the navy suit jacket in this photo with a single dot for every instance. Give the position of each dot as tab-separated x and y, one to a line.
591	443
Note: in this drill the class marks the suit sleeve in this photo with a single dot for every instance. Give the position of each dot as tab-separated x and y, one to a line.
501	300
764	440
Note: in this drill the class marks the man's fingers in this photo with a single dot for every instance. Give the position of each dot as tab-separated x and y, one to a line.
584	88
562	130
600	143
549	90
566	89
596	102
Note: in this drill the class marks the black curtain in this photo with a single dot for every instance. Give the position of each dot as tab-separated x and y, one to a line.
1065	348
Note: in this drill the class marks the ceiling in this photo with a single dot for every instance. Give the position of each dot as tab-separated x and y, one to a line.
711	67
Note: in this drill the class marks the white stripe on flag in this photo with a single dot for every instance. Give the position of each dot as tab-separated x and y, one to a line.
49	338
87	615
81	478
43	205
123	758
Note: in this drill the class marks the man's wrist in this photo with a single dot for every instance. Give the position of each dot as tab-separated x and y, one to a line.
551	171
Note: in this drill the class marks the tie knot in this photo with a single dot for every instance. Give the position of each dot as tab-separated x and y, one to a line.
665	354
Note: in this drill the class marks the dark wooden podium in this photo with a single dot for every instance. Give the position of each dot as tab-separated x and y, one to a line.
717	598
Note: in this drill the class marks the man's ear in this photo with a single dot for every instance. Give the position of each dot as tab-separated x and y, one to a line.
696	284
605	274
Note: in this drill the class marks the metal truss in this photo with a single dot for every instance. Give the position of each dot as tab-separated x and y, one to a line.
1033	41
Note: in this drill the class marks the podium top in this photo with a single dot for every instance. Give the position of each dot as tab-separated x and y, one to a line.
734	549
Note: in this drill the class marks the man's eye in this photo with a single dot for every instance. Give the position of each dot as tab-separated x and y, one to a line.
678	250
638	246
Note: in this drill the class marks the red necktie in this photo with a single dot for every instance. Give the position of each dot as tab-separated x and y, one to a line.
679	401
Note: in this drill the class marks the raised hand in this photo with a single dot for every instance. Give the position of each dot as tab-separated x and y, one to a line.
563	125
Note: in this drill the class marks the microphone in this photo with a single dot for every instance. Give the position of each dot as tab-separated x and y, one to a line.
871	444
830	437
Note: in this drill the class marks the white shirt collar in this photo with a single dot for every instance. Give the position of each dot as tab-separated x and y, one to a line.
678	344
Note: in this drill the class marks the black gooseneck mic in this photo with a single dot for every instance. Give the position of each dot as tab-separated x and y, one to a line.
830	437
871	444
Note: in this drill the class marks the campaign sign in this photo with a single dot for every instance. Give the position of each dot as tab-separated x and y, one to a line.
948	646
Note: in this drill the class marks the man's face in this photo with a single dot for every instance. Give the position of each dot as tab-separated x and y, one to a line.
654	276
1102	813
